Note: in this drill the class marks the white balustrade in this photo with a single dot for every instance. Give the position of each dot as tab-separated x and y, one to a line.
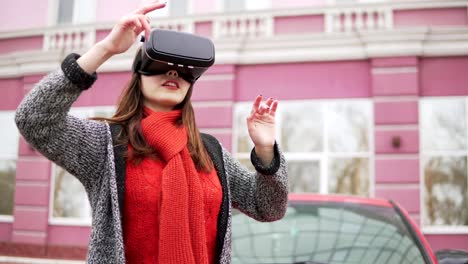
69	39
243	26
352	19
175	25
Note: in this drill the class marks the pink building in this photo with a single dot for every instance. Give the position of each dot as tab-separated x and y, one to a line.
373	102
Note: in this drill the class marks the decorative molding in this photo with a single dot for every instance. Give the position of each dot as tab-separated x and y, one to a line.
21	260
393	70
423	42
397	98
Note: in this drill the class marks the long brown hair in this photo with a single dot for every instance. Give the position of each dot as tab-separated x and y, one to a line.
130	112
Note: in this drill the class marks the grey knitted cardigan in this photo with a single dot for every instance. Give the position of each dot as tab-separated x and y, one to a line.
85	149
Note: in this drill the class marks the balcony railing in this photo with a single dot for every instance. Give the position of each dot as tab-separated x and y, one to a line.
333	19
67	39
351	19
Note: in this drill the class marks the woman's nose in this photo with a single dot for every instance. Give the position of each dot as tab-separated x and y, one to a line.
172	73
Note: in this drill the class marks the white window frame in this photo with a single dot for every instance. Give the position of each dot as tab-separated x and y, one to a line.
9	218
322	157
337	2
70	221
220	7
428	229
53	9
190	8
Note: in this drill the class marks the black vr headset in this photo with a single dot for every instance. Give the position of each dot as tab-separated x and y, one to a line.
166	50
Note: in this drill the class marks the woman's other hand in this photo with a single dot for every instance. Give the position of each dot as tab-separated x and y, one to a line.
261	126
125	32
121	38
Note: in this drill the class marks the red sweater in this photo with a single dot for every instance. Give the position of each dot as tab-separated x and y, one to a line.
141	211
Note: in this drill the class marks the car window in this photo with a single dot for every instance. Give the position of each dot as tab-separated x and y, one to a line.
326	233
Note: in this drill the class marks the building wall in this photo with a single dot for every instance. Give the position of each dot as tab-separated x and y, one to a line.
395	84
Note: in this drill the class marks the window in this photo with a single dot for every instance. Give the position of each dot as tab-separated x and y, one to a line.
74	11
444	152
9	138
174	8
69	200
241	5
327	144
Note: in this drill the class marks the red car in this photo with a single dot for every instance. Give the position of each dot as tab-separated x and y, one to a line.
321	229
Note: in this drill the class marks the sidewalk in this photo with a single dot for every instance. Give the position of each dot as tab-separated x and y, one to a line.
17	260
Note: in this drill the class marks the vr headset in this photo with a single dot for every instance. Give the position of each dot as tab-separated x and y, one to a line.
166	50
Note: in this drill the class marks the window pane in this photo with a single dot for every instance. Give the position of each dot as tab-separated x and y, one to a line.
443	124
304	176
7	186
446	191
258	4
9	136
86	11
65	12
244	143
301	127
70	199
349	176
178	7
234	5
348	126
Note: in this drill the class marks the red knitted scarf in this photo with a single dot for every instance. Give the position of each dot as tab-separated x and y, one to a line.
182	228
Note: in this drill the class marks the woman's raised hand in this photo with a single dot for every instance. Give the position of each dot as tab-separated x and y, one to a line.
261	126
125	32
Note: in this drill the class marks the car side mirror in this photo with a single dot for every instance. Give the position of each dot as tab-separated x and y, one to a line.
452	256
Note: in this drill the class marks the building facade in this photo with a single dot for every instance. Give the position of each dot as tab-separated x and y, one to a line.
373	102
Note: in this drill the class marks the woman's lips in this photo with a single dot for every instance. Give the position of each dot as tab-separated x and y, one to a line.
173	85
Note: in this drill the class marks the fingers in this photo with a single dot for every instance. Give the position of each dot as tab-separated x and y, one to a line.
273	108
150	7
256	104
146	25
269	107
138	27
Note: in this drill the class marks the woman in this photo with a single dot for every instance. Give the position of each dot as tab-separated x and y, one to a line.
160	192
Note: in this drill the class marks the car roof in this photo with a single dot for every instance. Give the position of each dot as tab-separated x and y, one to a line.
335	198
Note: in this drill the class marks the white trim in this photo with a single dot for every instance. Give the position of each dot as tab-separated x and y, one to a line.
402	156
213	104
191	7
392	99
20	260
61	221
52	12
51	192
6	219
218	131
372	173
447	153
393	70
31	208
30	233
26	183
441	230
397	127
400	186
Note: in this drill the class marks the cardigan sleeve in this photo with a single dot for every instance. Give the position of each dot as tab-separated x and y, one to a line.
77	145
263	194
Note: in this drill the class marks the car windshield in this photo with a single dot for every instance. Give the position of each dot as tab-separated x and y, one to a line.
318	232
